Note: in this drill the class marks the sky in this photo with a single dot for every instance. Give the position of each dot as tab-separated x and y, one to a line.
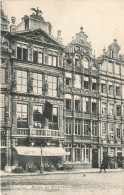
102	20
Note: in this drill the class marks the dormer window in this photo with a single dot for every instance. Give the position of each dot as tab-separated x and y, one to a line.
52	60
22	53
35	56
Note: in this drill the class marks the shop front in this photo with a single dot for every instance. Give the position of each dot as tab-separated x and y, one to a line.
36	157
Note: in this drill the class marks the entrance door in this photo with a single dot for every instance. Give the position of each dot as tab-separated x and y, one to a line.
119	159
95	158
2	161
105	158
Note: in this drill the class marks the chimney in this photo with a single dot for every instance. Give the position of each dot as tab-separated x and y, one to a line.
13	26
59	38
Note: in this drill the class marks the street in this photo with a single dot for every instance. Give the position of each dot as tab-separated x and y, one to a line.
88	184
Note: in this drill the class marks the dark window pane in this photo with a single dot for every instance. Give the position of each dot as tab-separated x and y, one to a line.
35	56
25	54
19	53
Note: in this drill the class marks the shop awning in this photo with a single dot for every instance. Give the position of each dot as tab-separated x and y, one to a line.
46	151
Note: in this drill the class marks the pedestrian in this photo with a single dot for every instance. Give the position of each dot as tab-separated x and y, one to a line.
102	167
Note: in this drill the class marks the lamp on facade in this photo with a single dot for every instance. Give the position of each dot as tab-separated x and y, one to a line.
41	165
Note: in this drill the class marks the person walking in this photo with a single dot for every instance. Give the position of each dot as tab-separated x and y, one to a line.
102	167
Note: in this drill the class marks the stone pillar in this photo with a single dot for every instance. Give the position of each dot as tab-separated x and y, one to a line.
61	118
91	154
30	114
8	167
82	153
116	152
73	154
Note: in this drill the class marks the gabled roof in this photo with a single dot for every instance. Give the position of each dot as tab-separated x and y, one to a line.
39	36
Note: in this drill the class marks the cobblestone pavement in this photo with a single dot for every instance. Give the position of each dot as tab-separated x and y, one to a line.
71	184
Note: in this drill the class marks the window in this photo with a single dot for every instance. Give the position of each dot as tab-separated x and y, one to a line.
68	81
21	81
103	88
22	53
69	126
94	108
94	84
2	72
52	60
52	86
86	104
86	153
68	77
77	81
104	108
104	125
111	89
87	130
40	58
123	109
78	127
85	63
55	58
77	152
37	83
94	128
68	104
35	56
37	116
117	69
118	110
123	91
53	123
25	54
123	130
22	119
118	132
117	90
2	107
77	61
77	105
111	109
111	130
19	52
86	83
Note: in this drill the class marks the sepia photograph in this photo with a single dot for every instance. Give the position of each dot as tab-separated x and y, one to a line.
62	97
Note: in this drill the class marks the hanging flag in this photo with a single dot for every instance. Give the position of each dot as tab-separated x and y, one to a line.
47	113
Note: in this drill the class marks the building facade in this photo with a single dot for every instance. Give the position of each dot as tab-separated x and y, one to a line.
81	103
111	76
86	95
34	74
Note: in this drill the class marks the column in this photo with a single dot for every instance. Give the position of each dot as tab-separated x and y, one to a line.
73	154
99	156
91	154
82	153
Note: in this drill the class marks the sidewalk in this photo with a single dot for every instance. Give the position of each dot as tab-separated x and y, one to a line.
77	171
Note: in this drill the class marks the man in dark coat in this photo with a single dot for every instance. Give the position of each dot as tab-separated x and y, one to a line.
102	167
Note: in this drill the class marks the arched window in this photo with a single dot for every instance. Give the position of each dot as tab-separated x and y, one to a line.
85	63
77	60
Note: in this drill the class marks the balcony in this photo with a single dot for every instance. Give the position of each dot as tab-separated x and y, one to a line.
20	132
46	133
